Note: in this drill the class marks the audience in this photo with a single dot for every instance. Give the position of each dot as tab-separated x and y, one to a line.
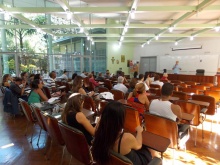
92	80
24	76
83	74
78	86
157	80
141	80
38	76
37	95
135	74
30	79
100	77
147	78
109	135
74	75
73	116
132	84
64	76
107	75
120	86
51	84
6	81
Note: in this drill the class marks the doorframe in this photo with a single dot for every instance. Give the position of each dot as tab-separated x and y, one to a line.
148	57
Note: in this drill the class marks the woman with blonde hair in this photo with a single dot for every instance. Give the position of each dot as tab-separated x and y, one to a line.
139	95
73	116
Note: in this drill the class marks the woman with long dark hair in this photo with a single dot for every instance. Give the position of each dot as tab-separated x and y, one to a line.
78	86
73	116
110	136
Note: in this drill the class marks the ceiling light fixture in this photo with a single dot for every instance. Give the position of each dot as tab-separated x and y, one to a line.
156	37
191	38
68	15
171	29
148	42
119	43
88	37
176	43
122	38
142	45
217	28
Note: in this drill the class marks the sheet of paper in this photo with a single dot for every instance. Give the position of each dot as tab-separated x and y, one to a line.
52	99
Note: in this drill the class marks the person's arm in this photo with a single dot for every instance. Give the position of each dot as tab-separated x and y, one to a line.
136	142
130	95
147	103
82	91
42	95
81	118
177	111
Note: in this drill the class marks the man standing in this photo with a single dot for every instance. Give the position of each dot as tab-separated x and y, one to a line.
176	68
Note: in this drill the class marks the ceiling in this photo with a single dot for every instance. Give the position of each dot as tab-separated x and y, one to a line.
125	21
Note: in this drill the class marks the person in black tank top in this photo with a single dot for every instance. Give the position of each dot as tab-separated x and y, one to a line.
109	136
73	116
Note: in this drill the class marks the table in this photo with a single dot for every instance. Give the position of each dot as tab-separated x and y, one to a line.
174	98
155	142
187	116
202	103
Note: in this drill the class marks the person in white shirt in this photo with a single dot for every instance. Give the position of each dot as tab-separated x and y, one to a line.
120	86
83	74
141	80
64	76
157	80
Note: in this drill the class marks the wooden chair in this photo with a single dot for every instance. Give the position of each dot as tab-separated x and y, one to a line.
190	90
152	97
155	89
108	84
117	94
207	84
132	119
181	86
194	109
76	144
208	97
214	88
103	89
51	124
89	104
201	88
166	128
101	106
180	95
176	81
190	82
37	112
28	114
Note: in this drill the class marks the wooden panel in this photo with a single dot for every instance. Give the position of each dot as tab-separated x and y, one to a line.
196	78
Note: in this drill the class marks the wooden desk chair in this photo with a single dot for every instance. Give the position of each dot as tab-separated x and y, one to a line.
208	97
51	124
37	112
201	88
108	84
176	81
207	84
76	144
194	109
59	83
28	114
190	82
180	95
89	104
166	128
214	88
181	86
155	89
132	119
91	87
117	94
103	89
101	106
190	90
152	97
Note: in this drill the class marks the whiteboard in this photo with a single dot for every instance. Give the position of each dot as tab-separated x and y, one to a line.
190	63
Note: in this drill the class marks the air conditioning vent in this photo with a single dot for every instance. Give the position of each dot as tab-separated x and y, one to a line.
186	47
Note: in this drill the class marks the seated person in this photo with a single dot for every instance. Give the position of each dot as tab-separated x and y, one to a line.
64	76
30	79
24	76
6	81
139	95
74	75
73	116
165	75
51	84
100	77
109	135
83	74
132	84
157	80
37	95
147	78
78	86
92	80
163	107
120	86
17	88
135	74
141	80
107	75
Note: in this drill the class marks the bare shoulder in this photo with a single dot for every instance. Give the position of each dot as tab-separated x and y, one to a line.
175	107
128	137
80	116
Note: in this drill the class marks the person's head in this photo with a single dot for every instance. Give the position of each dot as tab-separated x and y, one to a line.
120	79
37	83
37	76
141	77
52	75
135	74
18	80
65	72
110	126
156	77
164	70
90	75
132	83
74	75
31	76
5	78
177	62
167	89
100	74
139	89
77	83
74	104
24	75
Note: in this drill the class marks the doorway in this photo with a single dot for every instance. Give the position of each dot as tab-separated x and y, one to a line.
148	64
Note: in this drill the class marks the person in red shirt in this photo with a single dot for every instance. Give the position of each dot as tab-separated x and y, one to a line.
92	80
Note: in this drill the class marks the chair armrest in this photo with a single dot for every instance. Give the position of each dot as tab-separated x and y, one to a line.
203	110
155	161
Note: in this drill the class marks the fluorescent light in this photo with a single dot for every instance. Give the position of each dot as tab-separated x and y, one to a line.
8	145
148	42
68	15
176	43
170	29
122	38
88	38
217	28
191	38
156	37
81	30
142	45
126	29
119	43
92	42
132	14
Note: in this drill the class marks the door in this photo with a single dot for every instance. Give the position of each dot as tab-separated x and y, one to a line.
148	64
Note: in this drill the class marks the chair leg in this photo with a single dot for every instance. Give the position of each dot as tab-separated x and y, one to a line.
62	155
32	134
25	134
39	137
202	132
195	136
70	159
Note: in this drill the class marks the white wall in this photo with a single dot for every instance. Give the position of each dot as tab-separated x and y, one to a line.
210	46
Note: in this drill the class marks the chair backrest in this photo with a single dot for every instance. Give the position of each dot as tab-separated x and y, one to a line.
118	159
191	90
52	127
176	81
190	108
156	89
103	89
132	119
162	126
210	99
180	95
89	103
108	84
214	88
76	143
68	88
190	82
152	97
200	87
102	105
207	84
37	112
117	94
47	92
27	110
